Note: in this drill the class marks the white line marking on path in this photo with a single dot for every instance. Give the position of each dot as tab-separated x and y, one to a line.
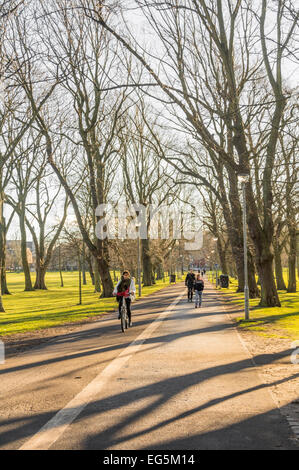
54	428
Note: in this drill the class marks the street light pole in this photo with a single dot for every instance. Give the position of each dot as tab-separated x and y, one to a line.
246	289
139	267
138	260
213	267
80	282
244	178
215	239
170	267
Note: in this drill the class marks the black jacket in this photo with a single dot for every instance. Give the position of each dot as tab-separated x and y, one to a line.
199	285
190	279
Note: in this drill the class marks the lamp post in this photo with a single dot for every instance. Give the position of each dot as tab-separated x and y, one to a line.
170	264
213	265
215	239
176	271
243	178
80	281
138	224
59	265
207	266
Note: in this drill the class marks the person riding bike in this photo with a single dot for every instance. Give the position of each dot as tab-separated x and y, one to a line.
189	282
125	288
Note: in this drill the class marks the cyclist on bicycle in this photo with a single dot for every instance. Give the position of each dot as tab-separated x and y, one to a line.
125	288
189	282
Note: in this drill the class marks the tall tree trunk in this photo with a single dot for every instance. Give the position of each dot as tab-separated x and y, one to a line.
254	291
40	264
278	268
268	287
262	239
90	269
103	268
160	272
232	270
146	262
264	262
222	256
106	280
40	281
40	268
4	288
292	258
97	278
28	283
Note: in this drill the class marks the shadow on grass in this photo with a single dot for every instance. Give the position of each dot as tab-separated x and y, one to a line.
267	320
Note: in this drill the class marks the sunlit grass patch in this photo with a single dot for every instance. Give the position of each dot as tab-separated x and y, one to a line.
276	322
30	311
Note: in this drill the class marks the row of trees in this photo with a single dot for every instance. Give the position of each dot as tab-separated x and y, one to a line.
91	111
222	74
71	137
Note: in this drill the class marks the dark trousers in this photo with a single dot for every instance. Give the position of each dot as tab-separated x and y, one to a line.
128	303
190	293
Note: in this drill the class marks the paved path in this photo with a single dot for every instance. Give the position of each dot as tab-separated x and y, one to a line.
179	379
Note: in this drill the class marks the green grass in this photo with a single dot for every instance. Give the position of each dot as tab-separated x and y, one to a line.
274	322
30	311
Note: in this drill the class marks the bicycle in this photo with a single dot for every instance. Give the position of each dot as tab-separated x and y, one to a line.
124	319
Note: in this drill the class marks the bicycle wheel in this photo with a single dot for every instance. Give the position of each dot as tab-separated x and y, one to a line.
123	319
123	316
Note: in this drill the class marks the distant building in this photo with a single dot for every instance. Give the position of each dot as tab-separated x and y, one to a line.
13	254
16	244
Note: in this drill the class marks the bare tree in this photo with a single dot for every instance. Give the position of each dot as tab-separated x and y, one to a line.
46	197
15	116
23	180
9	7
81	60
289	151
147	181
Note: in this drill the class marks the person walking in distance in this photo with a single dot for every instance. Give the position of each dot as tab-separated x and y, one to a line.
189	283
199	286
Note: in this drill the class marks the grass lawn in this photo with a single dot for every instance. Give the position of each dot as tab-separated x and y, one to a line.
276	322
28	311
